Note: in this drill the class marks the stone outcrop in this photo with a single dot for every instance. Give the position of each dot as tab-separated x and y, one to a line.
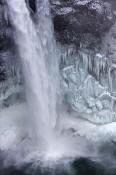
76	19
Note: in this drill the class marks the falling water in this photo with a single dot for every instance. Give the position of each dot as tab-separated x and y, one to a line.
37	50
40	66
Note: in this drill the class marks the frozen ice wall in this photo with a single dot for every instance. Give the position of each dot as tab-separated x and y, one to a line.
89	79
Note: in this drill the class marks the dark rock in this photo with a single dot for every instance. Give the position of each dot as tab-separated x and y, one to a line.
31	5
7	46
74	19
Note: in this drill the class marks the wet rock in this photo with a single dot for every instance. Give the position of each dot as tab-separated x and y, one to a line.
31	5
75	19
7	46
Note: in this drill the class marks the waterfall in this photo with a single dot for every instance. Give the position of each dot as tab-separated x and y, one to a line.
37	50
36	46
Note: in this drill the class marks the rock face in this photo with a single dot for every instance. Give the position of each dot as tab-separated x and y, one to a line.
9	64
75	19
88	69
6	42
87	32
4	38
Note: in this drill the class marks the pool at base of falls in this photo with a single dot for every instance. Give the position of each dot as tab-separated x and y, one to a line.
82	166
